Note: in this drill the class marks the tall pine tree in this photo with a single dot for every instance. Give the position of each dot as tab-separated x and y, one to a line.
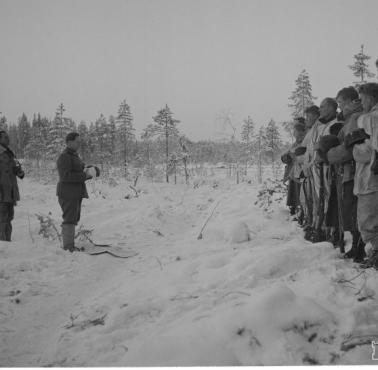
125	130
272	142
165	125
302	96
24	134
247	136
60	127
360	68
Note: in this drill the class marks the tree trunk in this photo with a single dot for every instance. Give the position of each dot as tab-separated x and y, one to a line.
166	154
259	164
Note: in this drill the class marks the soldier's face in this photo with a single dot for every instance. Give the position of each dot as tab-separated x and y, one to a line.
342	103
326	109
299	135
310	119
75	144
4	139
367	102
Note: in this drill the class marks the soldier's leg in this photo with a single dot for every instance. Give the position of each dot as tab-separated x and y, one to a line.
367	216
71	215
9	226
4	220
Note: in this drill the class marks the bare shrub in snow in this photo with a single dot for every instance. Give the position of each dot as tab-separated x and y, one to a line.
47	229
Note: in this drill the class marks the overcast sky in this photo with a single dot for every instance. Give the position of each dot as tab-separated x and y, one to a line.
201	57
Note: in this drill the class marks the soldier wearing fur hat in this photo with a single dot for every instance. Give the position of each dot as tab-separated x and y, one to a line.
10	169
71	188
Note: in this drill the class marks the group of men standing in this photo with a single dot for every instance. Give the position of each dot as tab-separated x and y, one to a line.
71	188
332	171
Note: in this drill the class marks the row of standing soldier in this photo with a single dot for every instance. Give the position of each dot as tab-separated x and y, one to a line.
332	172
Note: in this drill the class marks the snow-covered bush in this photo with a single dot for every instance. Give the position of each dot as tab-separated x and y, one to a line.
272	191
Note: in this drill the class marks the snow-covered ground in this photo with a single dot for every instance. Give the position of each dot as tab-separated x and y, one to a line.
250	292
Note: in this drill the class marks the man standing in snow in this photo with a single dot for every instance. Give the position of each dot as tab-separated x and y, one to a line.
364	141
292	171
342	157
320	170
304	159
71	188
10	169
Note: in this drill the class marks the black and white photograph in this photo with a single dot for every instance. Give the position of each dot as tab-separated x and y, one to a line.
188	183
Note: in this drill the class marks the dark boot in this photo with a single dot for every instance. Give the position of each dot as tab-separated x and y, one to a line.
337	239
3	231
319	236
68	236
300	216
8	232
308	235
360	253
372	261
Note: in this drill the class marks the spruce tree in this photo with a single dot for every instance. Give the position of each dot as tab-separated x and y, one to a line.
24	134
37	147
84	149
60	127
272	142
102	141
165	126
247	136
125	130
113	136
360	68
302	96
259	142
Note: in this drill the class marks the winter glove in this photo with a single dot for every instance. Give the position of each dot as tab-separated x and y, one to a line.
18	171
355	137
374	166
300	150
92	171
326	142
335	128
286	158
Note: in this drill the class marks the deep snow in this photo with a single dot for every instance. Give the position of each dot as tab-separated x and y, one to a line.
252	291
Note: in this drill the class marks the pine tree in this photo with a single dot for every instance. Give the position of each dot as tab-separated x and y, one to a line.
272	142
24	134
302	96
125	129
166	127
84	150
113	136
259	142
360	68
184	155
247	136
102	140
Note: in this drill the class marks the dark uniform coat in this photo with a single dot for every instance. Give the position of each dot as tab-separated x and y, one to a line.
9	192
342	158
72	177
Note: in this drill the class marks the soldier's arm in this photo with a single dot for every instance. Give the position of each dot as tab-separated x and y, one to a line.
339	154
362	153
66	174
